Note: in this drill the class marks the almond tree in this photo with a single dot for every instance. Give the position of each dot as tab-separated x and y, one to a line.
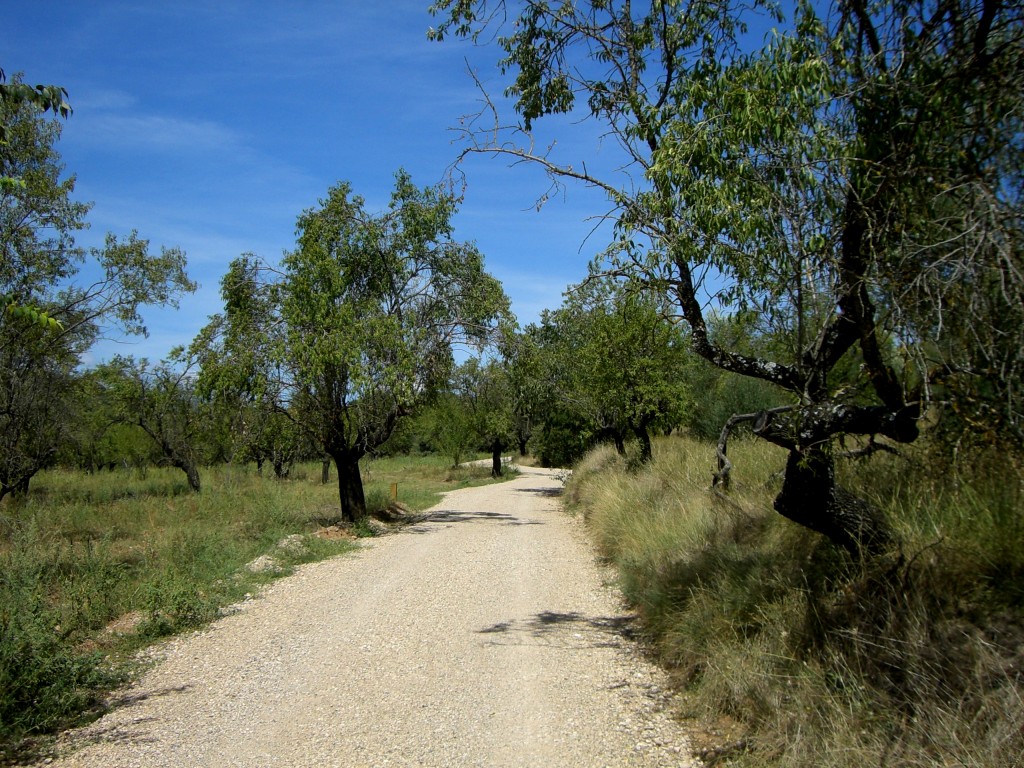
161	400
854	179
361	320
49	317
617	363
485	394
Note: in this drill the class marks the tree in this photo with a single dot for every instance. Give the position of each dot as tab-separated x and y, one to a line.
485	392
97	436
161	401
48	321
855	181
521	357
447	421
719	394
240	371
620	364
367	308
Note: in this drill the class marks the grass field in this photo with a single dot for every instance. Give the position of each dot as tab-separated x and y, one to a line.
789	653
92	567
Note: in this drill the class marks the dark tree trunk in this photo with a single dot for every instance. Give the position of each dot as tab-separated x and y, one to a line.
645	443
496	448
259	466
325	471
811	497
176	455
620	443
523	445
350	486
191	472
18	489
281	468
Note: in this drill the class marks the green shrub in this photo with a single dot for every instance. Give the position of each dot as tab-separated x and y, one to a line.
46	682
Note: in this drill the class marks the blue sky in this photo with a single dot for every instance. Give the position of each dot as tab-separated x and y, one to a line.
211	125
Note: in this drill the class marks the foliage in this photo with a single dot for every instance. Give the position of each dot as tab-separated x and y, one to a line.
615	362
484	389
855	182
47	321
45	98
361	323
562	439
161	401
237	355
446	420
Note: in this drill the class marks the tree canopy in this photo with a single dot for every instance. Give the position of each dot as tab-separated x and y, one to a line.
614	362
854	180
359	322
48	320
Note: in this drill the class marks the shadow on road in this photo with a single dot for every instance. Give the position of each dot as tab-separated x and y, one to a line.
547	493
133	732
449	516
570	630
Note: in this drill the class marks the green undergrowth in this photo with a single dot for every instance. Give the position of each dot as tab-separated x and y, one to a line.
94	567
788	652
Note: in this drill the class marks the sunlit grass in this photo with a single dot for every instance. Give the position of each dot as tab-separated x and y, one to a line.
800	655
137	551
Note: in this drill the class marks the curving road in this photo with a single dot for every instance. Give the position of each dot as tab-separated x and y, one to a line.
484	636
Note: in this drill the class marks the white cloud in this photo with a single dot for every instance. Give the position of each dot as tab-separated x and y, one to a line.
154	132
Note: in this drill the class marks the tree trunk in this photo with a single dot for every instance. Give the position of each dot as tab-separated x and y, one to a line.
350	487
191	472
281	468
811	498
325	471
645	443
496	448
18	489
620	443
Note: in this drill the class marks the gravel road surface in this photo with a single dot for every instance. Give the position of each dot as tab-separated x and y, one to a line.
484	636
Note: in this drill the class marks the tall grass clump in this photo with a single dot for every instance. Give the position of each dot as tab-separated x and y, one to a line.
801	655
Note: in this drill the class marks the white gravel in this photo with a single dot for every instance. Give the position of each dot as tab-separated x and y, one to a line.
484	637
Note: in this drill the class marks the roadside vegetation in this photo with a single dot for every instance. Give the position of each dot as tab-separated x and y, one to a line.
790	652
94	567
816	267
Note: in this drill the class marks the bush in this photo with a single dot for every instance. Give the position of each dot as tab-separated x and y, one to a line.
45	681
562	441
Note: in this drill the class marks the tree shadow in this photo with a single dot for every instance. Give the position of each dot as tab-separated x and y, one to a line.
451	516
133	732
547	493
130	699
567	630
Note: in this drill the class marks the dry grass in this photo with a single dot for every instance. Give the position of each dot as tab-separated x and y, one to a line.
916	659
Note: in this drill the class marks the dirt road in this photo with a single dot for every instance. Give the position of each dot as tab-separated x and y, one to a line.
482	637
